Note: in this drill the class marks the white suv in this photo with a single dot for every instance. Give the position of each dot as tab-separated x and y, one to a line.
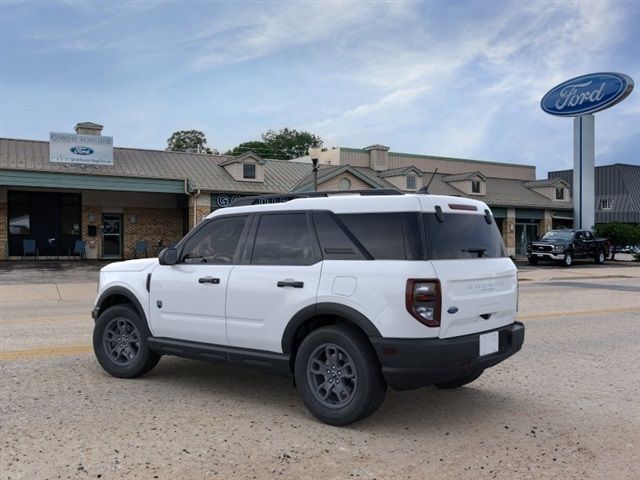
345	293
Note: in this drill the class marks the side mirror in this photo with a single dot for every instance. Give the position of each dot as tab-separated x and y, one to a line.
168	256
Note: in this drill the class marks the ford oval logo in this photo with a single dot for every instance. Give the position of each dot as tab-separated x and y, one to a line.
81	150
587	94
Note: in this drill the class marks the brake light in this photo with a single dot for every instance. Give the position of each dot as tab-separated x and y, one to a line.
423	301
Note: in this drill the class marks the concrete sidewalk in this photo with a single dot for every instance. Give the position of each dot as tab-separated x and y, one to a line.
47	292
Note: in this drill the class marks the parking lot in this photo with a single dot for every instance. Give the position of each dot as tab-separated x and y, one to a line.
565	407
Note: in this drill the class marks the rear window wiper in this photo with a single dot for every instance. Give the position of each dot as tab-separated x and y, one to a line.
479	251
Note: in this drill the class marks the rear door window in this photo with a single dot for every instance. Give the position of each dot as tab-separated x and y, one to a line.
461	235
284	239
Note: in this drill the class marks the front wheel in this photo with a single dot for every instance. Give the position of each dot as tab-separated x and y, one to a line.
120	343
532	260
459	382
600	257
338	375
567	261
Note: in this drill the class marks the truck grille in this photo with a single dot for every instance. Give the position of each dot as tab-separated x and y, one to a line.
543	248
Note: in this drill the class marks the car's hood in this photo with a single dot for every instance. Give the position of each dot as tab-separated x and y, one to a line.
130	265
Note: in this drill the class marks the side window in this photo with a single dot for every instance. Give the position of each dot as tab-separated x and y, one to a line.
334	242
215	243
284	239
380	233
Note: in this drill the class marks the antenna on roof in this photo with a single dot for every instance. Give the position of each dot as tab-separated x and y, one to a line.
425	189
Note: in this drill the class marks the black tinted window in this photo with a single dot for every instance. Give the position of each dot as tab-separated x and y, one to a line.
216	242
283	239
462	236
334	242
380	233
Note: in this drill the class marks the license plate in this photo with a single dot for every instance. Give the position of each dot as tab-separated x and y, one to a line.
538	255
489	343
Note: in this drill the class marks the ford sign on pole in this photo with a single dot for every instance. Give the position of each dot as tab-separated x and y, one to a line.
587	94
580	97
80	149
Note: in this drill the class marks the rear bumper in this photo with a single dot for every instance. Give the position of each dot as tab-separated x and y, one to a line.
413	363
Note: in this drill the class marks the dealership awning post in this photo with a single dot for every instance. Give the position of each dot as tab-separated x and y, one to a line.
583	172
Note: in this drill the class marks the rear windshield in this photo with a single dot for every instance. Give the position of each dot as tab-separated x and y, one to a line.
462	235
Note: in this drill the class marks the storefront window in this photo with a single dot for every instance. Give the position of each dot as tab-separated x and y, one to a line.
70	214
19	219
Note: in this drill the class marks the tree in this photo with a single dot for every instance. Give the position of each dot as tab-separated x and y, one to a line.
255	146
619	234
183	140
283	144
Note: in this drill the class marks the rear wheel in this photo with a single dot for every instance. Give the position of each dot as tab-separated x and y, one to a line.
567	261
459	382
600	257
338	375
120	343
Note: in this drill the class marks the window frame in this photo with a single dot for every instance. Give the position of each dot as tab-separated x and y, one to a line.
478	183
244	173
559	193
413	180
609	204
247	252
205	224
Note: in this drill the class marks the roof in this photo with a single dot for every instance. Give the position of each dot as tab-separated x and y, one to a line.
242	157
327	172
394	172
547	182
201	170
463	176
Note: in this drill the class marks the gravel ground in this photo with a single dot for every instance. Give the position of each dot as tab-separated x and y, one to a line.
565	407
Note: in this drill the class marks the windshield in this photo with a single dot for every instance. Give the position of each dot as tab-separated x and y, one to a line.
462	235
557	235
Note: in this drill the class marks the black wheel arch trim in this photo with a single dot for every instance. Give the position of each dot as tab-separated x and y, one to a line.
111	291
327	308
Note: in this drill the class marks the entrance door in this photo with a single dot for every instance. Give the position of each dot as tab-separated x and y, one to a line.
525	233
111	235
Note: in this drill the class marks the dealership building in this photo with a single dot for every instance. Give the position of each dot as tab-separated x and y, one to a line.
80	188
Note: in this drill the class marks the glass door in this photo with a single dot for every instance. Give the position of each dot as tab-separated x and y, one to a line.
525	233
111	235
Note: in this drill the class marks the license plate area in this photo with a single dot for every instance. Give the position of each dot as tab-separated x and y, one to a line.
489	343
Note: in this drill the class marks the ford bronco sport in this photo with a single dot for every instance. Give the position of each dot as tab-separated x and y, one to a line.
348	294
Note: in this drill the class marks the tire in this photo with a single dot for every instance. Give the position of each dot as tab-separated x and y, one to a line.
567	261
364	389
600	257
132	357
459	382
532	260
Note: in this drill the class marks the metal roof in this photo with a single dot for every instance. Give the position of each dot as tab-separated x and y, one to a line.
463	176
202	171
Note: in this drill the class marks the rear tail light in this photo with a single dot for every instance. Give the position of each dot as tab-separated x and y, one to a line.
423	301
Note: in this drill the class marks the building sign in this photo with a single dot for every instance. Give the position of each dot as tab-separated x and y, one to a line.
587	94
80	149
221	200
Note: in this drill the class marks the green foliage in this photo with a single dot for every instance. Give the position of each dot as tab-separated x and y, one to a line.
183	140
255	146
620	234
283	144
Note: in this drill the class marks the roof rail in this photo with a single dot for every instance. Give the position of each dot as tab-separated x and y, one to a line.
264	199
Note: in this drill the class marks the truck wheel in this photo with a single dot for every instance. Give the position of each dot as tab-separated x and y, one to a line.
338	375
567	261
532	260
459	382
600	257
120	343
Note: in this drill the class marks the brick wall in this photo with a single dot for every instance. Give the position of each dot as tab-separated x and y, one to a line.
151	224
91	215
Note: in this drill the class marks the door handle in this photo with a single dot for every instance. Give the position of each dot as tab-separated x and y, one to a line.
290	283
212	280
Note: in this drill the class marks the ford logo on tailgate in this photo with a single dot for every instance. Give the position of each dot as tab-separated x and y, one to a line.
81	150
587	94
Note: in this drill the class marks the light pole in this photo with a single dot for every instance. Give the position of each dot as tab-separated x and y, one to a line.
314	153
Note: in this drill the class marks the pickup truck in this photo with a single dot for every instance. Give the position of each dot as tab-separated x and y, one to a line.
566	245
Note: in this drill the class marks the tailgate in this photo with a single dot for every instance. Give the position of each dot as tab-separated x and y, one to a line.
478	294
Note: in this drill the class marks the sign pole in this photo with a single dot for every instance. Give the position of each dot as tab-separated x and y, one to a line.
583	172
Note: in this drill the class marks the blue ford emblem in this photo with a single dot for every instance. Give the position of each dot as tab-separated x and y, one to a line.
81	150
587	94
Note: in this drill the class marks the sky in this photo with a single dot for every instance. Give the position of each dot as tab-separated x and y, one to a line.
451	78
